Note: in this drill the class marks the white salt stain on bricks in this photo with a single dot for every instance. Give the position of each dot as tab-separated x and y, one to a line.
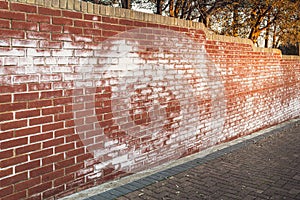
37	53
25	79
62	53
83	39
12	52
71	77
24	43
11	61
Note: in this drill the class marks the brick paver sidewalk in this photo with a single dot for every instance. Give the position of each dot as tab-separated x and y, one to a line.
267	167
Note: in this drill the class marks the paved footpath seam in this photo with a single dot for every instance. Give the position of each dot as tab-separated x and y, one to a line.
266	166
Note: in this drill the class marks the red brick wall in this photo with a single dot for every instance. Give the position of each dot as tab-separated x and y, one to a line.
96	93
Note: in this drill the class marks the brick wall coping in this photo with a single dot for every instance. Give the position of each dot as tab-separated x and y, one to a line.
96	9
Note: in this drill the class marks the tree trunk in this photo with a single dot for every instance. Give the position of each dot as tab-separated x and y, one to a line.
274	37
235	21
159	7
171	8
125	4
267	33
177	7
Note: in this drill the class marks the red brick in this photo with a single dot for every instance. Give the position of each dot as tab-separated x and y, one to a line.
40	171
64	163
27	113
27	131
50	28
13	161
48	11
53	126
12	15
30	26
6	135
13	125
63	116
74	168
6	191
41	120
16	196
52	175
12	107
75	152
5	42
79	38
23	43
51	94
28	184
53	191
110	27
6	172
62	101
94	32
62	21
12	33
6	154
38	35
27	166
72	14
92	17
110	20
28	148
14	143
26	79
63	180
109	33
3	5
54	142
6	117
52	159
74	107
13	179
41	154
4	23
41	137
61	37
40	103
84	157
76	183
53	110
23	7
64	132
39	86
35	197
26	96
73	138
39	188
38	18
72	30
126	22
12	89
82	23
50	45
64	147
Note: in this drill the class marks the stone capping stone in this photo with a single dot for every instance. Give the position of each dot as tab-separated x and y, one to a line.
97	9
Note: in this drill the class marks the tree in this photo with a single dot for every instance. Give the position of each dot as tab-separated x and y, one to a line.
273	20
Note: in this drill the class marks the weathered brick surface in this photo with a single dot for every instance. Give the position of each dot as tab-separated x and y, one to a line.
93	93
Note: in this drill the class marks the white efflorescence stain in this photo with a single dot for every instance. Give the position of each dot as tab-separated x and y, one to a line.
151	102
